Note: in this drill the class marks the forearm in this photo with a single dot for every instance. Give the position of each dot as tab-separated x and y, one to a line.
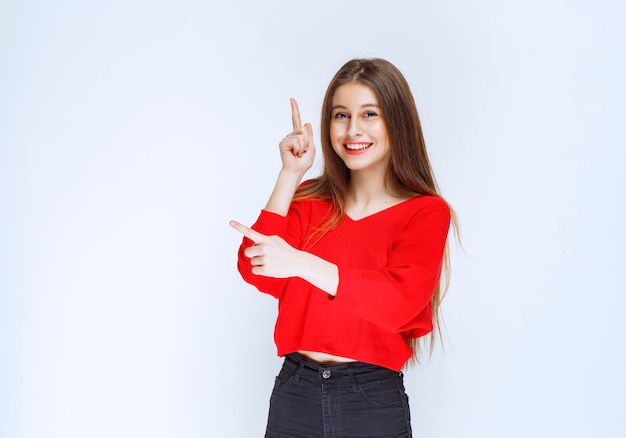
320	273
284	190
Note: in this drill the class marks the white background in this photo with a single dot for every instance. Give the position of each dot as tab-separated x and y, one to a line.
132	131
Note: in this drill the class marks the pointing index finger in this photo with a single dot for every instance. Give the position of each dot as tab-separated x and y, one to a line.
295	115
255	236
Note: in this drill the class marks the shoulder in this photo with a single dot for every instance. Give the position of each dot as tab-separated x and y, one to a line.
309	193
308	201
430	204
426	219
428	210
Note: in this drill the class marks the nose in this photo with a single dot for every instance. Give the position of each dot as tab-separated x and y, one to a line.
354	128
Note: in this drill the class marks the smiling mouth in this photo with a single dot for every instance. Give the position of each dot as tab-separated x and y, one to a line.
357	147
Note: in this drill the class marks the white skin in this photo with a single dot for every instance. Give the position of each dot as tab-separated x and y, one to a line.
359	136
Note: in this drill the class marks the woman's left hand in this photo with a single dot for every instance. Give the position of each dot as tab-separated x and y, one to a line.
270	256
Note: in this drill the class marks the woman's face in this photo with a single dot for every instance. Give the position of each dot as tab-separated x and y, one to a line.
357	128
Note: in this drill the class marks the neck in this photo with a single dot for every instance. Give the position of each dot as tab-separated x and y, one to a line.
369	188
368	195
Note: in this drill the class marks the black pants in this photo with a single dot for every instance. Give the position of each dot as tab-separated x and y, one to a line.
337	401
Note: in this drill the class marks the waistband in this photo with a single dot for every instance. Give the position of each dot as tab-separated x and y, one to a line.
295	363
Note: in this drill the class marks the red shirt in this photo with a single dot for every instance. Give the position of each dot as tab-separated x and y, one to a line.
389	266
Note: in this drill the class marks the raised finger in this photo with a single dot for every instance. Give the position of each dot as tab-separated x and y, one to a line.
295	115
255	236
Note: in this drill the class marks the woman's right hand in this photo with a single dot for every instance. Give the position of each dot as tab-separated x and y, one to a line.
297	150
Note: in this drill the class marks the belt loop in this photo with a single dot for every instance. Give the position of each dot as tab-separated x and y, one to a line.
298	372
354	386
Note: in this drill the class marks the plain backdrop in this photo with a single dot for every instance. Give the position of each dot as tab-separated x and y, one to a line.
132	131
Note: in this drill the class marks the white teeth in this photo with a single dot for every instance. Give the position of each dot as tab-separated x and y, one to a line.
357	147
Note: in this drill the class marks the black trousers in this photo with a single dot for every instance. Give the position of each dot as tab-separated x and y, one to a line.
356	399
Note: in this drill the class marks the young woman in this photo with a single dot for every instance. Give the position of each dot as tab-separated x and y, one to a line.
354	257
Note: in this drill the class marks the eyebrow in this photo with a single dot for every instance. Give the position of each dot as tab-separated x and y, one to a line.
365	105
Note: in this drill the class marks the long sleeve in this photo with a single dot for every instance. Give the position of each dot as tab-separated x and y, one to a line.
389	265
393	296
287	227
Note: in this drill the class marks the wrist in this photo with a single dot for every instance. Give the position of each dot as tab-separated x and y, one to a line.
293	176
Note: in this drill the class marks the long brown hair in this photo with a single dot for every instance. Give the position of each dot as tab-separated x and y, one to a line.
409	165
